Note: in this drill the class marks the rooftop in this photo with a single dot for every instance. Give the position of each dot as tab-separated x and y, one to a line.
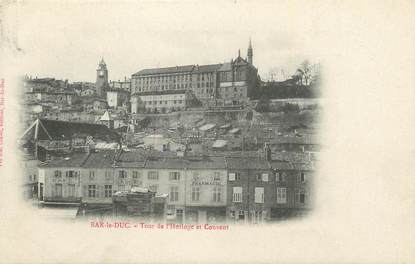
102	159
166	70
162	92
137	159
75	160
44	129
165	163
180	69
247	163
303	139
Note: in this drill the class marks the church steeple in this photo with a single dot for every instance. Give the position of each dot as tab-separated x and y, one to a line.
250	53
102	62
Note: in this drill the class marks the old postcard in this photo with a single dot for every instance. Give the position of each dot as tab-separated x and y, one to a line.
192	131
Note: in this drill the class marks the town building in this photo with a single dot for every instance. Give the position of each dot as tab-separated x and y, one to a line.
161	143
249	190
199	189
61	97
218	84
81	87
44	84
205	190
296	143
73	114
293	194
107	120
117	98
196	187
88	92
162	101
121	85
94	104
140	203
29	167
42	95
237	81
61	181
47	138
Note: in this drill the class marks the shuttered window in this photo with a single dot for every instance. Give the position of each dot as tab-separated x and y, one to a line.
237	194
231	176
259	194
281	195
92	189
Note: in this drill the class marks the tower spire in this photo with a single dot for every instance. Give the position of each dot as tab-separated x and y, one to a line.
250	52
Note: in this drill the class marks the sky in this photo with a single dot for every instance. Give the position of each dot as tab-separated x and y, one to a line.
67	40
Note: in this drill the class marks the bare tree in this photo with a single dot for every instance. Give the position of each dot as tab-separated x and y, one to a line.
304	72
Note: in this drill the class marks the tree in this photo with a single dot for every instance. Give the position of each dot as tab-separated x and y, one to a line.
305	72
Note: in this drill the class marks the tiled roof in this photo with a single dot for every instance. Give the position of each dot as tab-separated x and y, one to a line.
207	68
304	139
225	67
165	163
180	69
75	160
247	163
281	165
297	157
167	70
102	159
240	61
133	159
60	130
303	166
136	159
161	92
205	162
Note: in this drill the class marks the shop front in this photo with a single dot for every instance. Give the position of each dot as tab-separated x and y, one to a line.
205	214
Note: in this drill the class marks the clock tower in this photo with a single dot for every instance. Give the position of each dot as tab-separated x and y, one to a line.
102	79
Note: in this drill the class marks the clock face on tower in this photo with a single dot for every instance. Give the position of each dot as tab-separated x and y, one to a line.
101	73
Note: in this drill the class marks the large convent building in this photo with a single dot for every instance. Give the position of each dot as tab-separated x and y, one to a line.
159	89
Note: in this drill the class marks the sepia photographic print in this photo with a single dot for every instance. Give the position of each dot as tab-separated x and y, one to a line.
197	143
188	131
